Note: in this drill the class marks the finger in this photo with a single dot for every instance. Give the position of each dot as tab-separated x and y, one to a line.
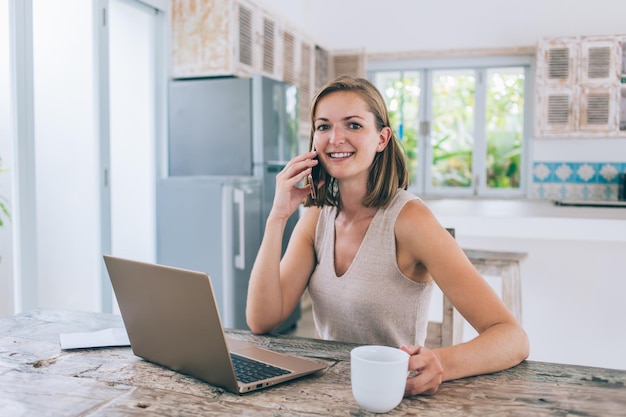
417	361
411	350
307	156
294	173
425	384
299	164
297	161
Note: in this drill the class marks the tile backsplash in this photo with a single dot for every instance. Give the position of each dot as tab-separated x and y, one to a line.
588	181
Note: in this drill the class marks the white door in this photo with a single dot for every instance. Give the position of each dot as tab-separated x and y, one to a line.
132	129
134	96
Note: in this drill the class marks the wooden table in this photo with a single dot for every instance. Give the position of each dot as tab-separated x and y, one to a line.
37	378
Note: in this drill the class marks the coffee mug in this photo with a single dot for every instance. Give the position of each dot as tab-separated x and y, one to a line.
378	375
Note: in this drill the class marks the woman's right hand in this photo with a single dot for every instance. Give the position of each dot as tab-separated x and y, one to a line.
289	195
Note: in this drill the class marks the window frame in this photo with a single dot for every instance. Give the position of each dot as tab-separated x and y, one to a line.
480	64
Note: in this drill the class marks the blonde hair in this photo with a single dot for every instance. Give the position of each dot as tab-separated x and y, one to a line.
388	171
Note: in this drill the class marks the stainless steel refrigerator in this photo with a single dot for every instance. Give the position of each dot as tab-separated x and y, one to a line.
228	138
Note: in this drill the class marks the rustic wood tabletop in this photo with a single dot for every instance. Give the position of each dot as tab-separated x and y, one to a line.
37	378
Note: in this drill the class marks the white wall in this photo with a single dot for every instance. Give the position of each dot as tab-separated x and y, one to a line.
414	25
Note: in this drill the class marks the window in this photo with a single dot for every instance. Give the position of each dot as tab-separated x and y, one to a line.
462	122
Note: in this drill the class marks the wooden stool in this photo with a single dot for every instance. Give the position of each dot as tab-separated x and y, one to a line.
505	265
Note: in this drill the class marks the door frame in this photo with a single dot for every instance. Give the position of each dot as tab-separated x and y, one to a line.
162	13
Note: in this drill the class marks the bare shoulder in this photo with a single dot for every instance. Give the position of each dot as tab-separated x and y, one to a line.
308	222
416	215
419	232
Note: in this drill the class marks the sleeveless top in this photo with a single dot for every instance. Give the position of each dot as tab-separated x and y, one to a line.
373	302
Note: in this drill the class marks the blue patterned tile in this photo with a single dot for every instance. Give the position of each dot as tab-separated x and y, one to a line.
542	172
564	172
586	172
608	173
590	181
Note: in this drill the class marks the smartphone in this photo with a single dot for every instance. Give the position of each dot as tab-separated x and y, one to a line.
313	177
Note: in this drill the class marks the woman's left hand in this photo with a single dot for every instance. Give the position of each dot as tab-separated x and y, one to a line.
425	371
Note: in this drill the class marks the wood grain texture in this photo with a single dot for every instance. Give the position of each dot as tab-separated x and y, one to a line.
37	378
201	37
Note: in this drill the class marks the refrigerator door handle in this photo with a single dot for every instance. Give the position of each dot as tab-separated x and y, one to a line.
239	199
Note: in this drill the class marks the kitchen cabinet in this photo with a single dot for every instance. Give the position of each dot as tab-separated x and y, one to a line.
581	87
223	37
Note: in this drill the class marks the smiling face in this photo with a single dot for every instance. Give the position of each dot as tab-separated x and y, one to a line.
350	129
346	135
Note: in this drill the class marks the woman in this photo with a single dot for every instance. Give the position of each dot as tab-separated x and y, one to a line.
369	251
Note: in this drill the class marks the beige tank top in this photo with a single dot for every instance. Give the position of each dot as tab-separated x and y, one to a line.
373	302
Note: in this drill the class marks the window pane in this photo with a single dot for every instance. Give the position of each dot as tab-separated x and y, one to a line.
401	91
504	126
452	133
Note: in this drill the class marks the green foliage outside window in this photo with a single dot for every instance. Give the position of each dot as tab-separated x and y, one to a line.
452	132
402	97
504	128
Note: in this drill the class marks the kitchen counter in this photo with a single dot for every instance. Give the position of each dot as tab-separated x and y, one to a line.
530	219
523	208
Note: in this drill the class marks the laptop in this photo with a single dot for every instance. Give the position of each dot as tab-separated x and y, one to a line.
172	319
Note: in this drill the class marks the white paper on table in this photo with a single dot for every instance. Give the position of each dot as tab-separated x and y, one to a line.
101	338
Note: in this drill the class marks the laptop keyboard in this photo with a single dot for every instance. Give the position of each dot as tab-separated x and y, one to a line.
249	370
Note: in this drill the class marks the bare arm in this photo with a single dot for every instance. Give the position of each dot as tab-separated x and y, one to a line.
501	342
276	285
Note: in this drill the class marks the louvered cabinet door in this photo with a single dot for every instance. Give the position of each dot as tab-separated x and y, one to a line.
557	61
268	63
269	50
350	63
599	61
298	68
557	110
244	45
288	56
322	67
597	111
306	83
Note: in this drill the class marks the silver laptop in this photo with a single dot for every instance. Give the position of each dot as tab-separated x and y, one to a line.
172	319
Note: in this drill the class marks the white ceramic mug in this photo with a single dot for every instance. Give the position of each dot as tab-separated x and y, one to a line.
378	375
